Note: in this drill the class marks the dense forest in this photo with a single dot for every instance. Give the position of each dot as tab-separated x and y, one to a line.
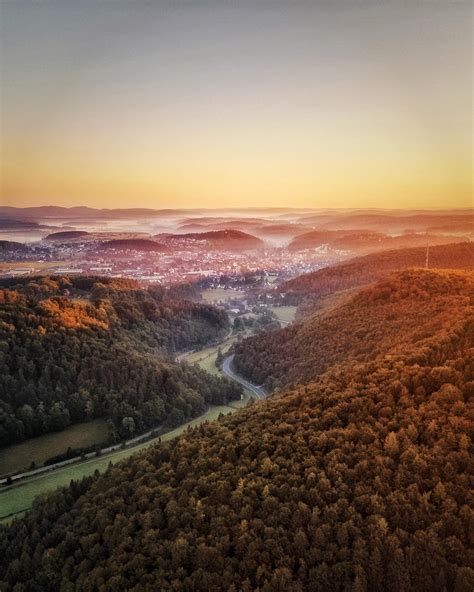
399	309
76	349
358	481
365	270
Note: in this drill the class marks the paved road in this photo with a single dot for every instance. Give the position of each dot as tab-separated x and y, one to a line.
226	368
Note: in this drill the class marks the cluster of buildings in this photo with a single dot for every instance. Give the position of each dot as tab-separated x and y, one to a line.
187	264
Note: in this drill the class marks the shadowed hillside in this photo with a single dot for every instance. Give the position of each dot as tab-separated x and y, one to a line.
76	349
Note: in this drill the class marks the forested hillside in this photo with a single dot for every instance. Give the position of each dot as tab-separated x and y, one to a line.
365	270
357	481
76	349
397	311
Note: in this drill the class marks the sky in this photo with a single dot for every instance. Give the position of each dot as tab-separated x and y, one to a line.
220	104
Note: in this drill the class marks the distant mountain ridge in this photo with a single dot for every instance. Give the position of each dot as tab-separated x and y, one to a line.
366	269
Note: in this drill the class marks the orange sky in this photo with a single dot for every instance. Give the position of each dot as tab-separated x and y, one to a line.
114	105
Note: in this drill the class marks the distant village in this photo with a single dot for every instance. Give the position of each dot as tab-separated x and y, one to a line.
185	265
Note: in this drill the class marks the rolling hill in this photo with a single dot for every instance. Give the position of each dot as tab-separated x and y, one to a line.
360	271
392	221
219	239
6	245
357	480
133	244
66	235
374	321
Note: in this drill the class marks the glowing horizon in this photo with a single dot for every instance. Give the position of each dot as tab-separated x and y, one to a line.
167	106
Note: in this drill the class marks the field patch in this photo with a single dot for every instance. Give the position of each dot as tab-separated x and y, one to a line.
221	294
18	457
16	499
284	313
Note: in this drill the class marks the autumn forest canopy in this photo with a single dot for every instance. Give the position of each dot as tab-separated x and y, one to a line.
353	476
236	296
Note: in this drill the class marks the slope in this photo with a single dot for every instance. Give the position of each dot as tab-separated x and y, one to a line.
357	481
397	311
364	270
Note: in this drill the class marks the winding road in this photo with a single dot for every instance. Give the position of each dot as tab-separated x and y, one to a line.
227	370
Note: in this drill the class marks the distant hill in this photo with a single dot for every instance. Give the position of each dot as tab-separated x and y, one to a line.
392	221
79	348
366	240
282	229
12	224
338	239
83	212
133	244
356	481
218	239
364	270
68	234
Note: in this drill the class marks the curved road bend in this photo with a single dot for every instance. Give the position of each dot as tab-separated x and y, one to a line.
227	370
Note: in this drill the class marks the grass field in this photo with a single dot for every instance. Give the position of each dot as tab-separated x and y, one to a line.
37	265
214	294
18	457
206	358
17	499
284	313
